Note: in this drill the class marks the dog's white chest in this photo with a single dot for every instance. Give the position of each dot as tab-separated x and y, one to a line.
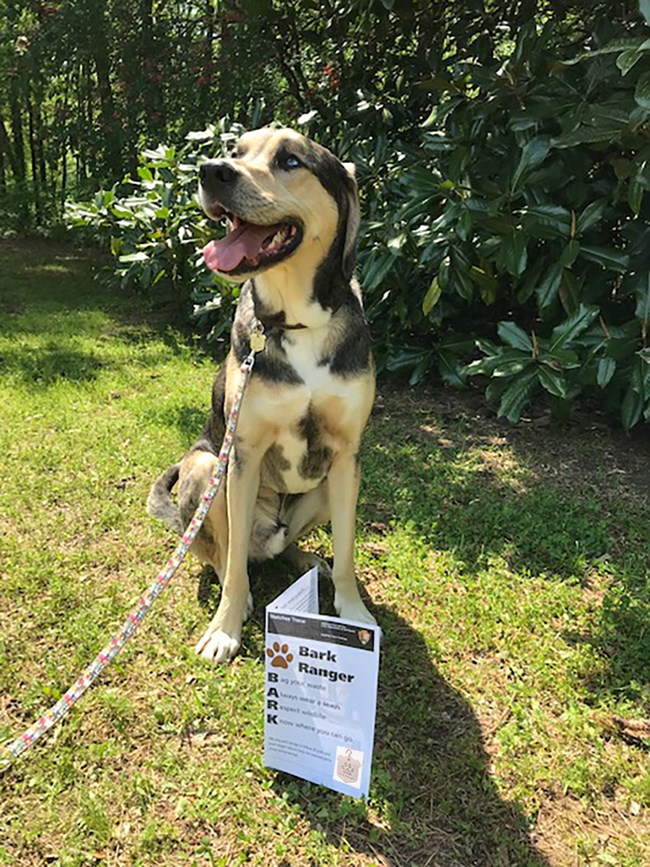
304	354
307	431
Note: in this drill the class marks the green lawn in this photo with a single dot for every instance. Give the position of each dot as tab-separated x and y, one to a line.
508	568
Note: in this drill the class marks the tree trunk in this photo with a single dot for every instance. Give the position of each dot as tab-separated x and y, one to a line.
6	148
17	131
111	128
33	152
207	82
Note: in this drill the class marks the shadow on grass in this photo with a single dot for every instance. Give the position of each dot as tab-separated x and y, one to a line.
549	509
49	363
431	779
430	775
51	304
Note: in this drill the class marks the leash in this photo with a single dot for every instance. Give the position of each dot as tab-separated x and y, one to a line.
118	639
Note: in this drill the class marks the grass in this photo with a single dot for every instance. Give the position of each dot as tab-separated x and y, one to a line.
508	568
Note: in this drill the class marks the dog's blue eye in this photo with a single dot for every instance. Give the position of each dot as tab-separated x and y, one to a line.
288	161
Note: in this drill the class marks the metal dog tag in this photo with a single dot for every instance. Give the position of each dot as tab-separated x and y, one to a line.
257	341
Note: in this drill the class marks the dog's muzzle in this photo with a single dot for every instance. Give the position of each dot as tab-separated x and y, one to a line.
248	246
215	175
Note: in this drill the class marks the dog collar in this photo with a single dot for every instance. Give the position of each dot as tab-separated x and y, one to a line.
274	320
271	322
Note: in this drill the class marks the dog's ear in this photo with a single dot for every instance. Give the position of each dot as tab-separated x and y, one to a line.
352	219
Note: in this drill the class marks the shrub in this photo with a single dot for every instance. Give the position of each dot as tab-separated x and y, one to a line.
513	225
527	202
155	229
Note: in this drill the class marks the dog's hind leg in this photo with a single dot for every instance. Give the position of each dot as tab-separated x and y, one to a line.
303	514
211	544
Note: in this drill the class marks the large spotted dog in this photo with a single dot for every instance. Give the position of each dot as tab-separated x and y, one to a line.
293	213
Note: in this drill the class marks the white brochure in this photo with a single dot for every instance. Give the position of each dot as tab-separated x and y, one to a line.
321	691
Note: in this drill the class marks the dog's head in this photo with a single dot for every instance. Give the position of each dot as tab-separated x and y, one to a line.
284	196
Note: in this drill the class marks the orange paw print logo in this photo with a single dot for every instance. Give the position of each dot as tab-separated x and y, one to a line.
279	656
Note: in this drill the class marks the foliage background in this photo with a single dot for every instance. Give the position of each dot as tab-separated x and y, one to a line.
501	149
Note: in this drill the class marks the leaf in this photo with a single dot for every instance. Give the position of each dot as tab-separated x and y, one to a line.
432	296
613	47
530	281
635	196
306	117
198	135
517	395
511	360
377	268
569	254
406	357
628	59
642	91
573	326
608	257
548	286
458	343
437	82
552	381
451	369
631	408
620	348
514	336
509	368
592	215
642	292
622	168
560	359
532	155
555	219
606	369
570	291
513	251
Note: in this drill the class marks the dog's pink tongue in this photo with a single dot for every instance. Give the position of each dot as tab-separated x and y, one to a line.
244	242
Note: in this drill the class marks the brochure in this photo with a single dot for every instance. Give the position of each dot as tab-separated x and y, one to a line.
321	691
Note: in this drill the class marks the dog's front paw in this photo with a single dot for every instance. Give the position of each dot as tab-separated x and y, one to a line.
217	645
353	609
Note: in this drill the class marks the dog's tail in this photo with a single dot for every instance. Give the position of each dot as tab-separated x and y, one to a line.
159	504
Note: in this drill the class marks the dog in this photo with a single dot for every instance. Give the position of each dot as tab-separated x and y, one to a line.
292	210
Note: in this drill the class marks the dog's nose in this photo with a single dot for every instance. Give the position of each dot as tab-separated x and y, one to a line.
215	173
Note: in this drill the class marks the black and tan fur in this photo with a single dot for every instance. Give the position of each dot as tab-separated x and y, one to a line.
295	460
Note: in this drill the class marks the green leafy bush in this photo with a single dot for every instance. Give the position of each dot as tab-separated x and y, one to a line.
155	229
512	225
526	203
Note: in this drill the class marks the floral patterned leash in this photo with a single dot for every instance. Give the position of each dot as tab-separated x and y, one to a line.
55	714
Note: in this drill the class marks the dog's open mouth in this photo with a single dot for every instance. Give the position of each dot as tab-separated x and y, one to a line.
248	247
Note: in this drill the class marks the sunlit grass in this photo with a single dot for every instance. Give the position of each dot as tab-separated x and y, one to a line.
509	571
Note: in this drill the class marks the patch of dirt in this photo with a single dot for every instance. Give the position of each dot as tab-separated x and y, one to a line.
584	452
